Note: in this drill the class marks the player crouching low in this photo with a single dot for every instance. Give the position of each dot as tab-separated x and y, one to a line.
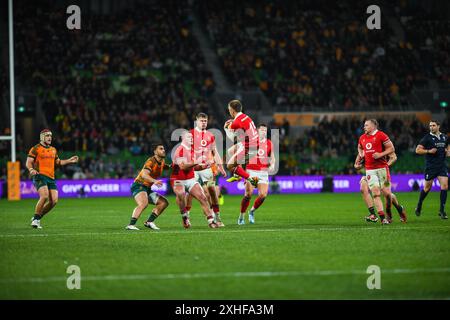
142	192
259	167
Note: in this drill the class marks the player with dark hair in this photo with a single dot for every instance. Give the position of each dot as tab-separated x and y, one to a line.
435	146
142	189
242	127
41	162
374	145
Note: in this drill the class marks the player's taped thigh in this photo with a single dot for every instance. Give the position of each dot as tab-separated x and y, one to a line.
178	188
153	198
162	202
374	182
189	188
376	195
210	183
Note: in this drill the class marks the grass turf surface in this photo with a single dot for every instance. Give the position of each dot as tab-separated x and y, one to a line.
301	247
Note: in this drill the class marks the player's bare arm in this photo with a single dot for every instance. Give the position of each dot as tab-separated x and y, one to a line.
359	157
389	148
203	165
184	165
420	150
227	124
357	163
30	166
218	161
147	177
360	151
392	159
272	163
65	162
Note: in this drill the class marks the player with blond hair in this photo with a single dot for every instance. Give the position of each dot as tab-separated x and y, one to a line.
41	162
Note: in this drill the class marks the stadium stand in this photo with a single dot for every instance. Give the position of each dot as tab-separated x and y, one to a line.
311	53
330	147
428	33
126	82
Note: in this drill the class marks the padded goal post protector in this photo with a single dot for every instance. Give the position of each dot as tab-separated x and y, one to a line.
13	180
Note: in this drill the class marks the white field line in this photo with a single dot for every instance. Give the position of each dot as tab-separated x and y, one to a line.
264	274
223	231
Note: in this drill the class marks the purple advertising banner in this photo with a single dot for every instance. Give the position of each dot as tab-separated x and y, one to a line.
341	184
400	183
92	188
284	184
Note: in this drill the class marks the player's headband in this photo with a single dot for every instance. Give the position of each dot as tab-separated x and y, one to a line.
44	133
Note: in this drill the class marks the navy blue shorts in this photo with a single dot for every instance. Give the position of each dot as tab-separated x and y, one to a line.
431	174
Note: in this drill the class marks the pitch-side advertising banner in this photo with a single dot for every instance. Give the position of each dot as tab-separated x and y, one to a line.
279	184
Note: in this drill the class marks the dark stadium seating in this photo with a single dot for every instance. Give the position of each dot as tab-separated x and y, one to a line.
311	53
430	36
122	82
331	146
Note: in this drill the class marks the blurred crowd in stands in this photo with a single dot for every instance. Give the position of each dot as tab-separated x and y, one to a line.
334	138
121	82
429	34
313	54
331	141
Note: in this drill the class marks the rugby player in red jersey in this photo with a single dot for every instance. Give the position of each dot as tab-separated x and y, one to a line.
243	127
367	197
204	150
374	145
259	166
183	180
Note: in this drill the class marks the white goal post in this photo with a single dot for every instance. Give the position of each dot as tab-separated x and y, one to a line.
12	106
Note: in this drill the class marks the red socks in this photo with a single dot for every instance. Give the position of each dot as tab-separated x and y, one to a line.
244	204
389	207
258	202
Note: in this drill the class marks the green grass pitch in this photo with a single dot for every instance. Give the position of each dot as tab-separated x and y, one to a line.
301	247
